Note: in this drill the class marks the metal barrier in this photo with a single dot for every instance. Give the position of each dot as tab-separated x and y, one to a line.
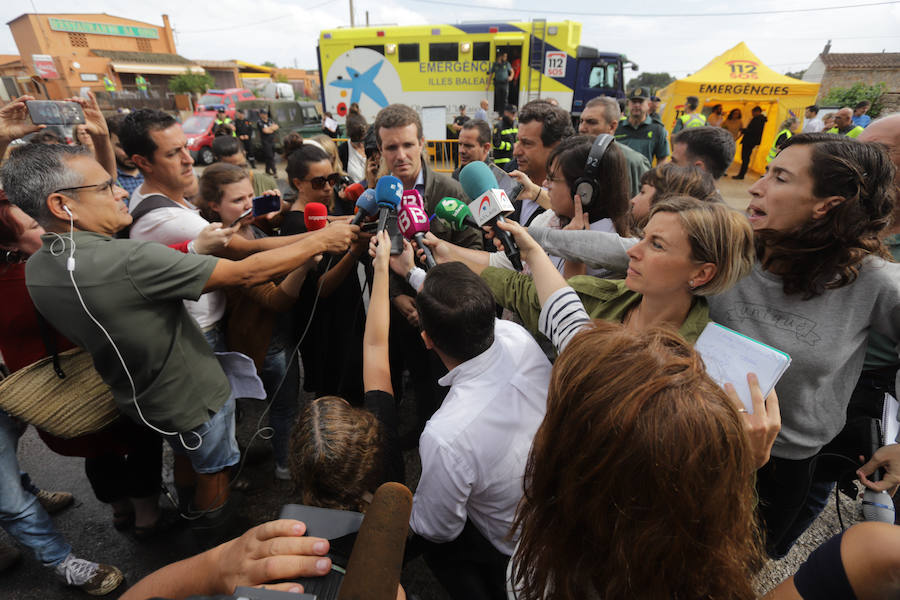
442	154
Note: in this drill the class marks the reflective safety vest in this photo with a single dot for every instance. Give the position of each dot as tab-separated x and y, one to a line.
850	134
503	142
227	121
108	84
692	120
774	150
141	83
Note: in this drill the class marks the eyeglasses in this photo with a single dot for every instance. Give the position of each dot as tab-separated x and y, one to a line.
106	186
318	183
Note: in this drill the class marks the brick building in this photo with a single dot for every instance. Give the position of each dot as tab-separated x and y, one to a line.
72	51
842	70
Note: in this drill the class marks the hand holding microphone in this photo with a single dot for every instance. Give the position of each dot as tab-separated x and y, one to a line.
365	206
388	193
489	204
413	223
877	504
315	216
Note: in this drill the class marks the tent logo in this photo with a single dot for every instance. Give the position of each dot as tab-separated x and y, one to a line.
743	69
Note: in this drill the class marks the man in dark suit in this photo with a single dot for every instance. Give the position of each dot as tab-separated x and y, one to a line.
752	137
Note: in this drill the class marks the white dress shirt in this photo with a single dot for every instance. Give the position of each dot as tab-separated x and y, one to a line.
474	448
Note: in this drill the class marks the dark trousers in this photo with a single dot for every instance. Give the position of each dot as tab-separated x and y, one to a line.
746	151
501	93
137	474
469	567
268	152
248	151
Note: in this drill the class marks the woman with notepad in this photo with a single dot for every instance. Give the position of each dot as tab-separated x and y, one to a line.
821	285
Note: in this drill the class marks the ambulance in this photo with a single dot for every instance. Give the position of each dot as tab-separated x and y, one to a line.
437	68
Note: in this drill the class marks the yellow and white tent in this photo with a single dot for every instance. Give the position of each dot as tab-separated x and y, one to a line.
738	79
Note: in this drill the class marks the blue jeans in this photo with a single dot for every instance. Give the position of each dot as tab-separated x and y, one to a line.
284	405
21	515
218	449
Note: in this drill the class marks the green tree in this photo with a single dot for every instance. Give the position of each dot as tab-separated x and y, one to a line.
654	81
270	64
191	83
856	93
796	74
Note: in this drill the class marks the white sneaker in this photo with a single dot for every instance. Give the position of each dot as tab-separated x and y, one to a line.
94	578
282	473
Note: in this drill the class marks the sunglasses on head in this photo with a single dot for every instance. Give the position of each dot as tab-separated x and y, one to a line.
318	183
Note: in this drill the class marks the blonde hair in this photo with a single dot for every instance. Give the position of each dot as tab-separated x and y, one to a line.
330	148
717	234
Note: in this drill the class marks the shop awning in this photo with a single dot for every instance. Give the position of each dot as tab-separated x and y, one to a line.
155	69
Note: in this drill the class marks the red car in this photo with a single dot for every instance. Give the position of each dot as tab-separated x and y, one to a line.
199	131
225	99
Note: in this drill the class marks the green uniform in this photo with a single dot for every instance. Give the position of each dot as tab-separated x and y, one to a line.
637	165
141	83
648	138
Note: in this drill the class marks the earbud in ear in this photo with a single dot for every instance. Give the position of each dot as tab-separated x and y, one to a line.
66	208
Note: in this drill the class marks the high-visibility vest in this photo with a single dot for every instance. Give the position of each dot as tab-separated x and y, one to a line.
850	134
108	84
141	83
227	121
692	120
774	150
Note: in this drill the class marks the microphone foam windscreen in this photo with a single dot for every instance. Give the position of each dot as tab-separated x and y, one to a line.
373	571
315	216
476	178
412	220
354	191
366	202
388	192
412	197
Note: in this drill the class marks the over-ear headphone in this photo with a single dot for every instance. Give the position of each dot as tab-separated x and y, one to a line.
587	187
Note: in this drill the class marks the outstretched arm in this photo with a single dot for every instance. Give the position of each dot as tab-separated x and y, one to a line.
376	364
596	249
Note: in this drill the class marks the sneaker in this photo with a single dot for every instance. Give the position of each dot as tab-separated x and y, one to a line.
94	578
53	502
8	556
282	473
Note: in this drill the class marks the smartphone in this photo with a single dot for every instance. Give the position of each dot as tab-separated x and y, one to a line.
265	204
507	183
55	112
369	226
393	230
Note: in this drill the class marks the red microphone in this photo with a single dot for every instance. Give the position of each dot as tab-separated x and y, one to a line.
413	224
354	191
315	216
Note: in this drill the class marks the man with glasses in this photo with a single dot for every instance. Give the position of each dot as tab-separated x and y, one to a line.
172	381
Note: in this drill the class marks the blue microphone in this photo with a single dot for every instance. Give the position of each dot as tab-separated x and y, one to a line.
388	193
366	206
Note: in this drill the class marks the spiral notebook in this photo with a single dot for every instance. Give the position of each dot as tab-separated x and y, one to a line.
729	356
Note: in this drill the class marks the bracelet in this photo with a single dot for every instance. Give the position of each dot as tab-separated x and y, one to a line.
190	247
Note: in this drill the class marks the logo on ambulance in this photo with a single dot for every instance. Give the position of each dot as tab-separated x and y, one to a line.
364	76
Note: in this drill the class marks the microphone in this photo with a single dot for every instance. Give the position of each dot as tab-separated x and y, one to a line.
413	223
365	206
354	191
388	193
455	214
314	216
489	204
877	506
373	571
412	197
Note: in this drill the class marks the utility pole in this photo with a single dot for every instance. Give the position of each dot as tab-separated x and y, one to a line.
367	18
351	14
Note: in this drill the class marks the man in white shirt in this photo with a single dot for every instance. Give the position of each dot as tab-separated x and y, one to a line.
475	447
813	123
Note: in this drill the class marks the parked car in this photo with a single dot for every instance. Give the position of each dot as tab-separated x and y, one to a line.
224	99
291	115
199	131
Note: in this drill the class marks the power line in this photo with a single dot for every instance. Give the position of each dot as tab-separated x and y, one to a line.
655	16
242	25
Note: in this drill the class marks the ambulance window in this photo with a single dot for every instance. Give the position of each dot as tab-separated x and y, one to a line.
377	48
443	52
599	76
481	51
409	53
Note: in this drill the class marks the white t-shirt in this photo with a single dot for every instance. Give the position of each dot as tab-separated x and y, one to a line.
173	225
356	163
474	448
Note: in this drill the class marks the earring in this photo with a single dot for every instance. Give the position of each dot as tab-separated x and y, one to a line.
691	284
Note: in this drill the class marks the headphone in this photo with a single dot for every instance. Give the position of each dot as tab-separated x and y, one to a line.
66	208
587	187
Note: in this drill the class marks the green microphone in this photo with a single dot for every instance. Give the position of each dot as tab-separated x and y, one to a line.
455	214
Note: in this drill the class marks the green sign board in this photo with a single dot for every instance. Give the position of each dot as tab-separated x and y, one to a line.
103	29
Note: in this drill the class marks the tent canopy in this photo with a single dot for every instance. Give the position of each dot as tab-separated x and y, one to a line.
738	79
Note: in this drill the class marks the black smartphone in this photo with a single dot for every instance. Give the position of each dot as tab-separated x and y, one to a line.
265	204
55	112
507	183
393	230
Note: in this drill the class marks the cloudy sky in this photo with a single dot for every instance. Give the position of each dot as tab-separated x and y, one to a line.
286	31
